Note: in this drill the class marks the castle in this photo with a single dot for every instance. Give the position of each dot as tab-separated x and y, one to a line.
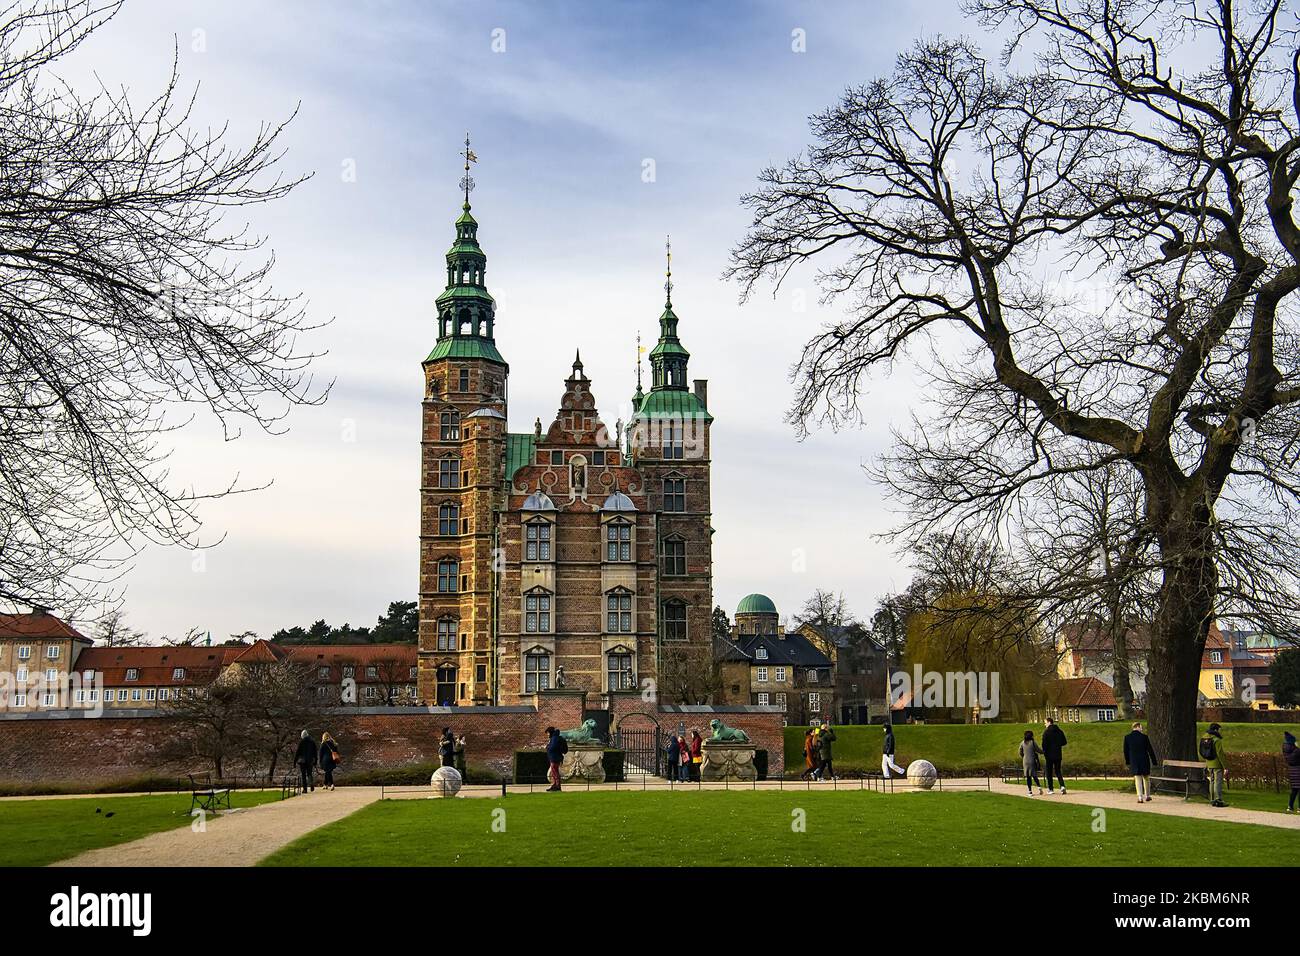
567	556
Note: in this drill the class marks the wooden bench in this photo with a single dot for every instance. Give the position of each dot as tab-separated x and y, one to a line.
205	796
1181	776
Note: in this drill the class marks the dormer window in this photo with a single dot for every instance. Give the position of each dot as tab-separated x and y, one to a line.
761	653
132	674
178	673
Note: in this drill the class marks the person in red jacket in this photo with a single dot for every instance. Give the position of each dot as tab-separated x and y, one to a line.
697	753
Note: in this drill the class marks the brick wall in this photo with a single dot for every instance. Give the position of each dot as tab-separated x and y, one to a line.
764	725
53	748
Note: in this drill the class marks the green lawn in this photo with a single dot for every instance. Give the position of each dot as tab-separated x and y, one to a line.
956	748
739	828
39	832
1245	799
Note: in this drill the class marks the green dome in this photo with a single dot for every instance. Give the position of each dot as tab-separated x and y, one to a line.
756	604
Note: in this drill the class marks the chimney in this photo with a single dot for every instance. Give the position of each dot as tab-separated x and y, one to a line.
702	391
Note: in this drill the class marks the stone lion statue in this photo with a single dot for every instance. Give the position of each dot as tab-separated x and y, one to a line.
586	734
722	732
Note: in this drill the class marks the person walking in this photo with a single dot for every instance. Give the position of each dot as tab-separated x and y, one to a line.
1053	741
825	753
697	754
329	758
1291	756
305	758
809	753
459	756
1029	760
1140	755
447	748
1211	750
684	749
556	748
887	755
674	757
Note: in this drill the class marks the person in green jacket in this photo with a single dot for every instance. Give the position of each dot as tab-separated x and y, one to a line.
1211	750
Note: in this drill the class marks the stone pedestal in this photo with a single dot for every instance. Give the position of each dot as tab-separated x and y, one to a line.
584	762
727	761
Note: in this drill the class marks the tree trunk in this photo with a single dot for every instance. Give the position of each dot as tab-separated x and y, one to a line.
1185	608
1120	666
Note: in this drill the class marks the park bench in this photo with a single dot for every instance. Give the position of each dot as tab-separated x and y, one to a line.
205	796
1181	776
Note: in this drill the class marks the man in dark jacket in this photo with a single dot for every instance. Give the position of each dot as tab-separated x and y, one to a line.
674	756
825	755
1140	755
1053	741
887	755
305	758
556	748
447	748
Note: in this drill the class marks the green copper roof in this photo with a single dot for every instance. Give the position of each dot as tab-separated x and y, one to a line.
519	452
465	347
671	403
756	604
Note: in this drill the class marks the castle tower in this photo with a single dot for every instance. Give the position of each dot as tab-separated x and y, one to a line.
669	440
463	446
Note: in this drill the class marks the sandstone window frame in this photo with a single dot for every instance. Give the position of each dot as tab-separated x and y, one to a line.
448	575
446	633
620	611
449	425
535	667
620	668
448	518
674	493
539	539
449	475
619	541
445	674
538	606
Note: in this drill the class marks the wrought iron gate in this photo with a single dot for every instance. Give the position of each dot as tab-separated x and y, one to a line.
642	751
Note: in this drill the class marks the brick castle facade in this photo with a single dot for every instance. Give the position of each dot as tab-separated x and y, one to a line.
570	555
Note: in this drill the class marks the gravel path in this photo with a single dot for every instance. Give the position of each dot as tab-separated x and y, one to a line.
238	838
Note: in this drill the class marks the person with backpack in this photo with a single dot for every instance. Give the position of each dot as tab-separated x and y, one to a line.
1029	760
887	755
1053	741
305	758
329	758
556	748
825	755
1211	749
1140	755
1291	756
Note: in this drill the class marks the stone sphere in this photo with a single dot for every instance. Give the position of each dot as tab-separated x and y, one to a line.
445	782
921	773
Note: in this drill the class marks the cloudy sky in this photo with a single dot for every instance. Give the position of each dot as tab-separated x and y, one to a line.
566	104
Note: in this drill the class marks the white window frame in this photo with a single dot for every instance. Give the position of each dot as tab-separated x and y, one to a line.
760	653
20	699
52	652
762	700
121	694
24	652
1105	713
779	677
760	675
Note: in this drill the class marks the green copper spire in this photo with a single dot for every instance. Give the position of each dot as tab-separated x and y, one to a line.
668	358
466	312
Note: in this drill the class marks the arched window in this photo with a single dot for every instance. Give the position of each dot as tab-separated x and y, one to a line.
618	611
537	611
618	541
537	541
674	620
448	575
450	430
448	518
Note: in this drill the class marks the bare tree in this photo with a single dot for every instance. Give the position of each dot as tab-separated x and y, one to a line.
128	300
825	609
212	724
112	630
1092	252
282	702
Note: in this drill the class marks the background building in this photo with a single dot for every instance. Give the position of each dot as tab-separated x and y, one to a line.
764	664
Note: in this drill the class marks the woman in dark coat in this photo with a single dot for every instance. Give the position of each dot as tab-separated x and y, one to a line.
674	756
1140	755
447	748
305	758
1291	754
329	758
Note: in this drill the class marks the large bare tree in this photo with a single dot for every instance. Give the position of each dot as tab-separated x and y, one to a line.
1091	251
129	302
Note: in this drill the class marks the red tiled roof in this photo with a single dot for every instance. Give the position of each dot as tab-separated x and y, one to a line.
352	653
39	624
1081	692
1092	638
